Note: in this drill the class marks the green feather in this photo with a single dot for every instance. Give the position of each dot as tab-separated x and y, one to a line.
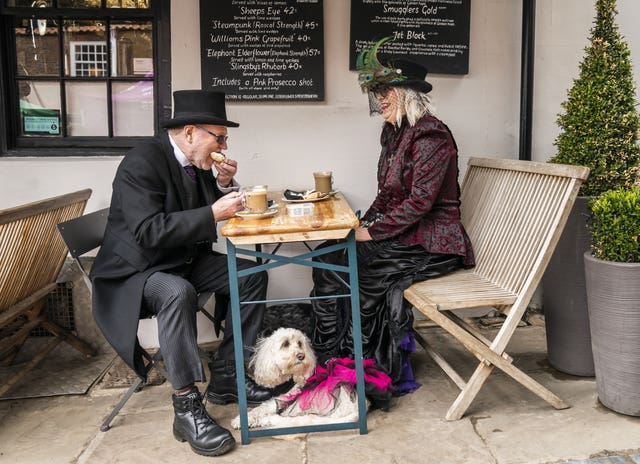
372	73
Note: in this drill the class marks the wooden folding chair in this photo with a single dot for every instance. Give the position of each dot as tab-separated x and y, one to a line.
31	257
514	213
82	235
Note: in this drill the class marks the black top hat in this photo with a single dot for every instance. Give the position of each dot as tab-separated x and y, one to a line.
198	107
415	75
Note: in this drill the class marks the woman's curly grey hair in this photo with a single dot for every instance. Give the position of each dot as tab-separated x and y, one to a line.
413	104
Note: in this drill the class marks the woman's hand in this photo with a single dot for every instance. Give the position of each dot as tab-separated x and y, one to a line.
227	206
362	234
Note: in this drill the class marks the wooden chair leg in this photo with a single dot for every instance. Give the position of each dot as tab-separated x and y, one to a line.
68	337
468	394
530	384
29	367
440	361
489	358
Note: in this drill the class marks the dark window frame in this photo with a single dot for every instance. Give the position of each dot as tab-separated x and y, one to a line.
13	145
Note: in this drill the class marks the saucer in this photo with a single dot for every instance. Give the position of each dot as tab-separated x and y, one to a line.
249	215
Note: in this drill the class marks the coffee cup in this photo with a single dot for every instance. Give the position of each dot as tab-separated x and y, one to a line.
255	199
324	181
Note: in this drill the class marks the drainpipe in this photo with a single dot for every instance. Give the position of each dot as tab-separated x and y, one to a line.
526	77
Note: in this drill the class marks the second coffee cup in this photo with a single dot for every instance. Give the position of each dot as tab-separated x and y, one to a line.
255	199
324	181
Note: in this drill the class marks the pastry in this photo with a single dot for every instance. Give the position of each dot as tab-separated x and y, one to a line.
218	157
312	194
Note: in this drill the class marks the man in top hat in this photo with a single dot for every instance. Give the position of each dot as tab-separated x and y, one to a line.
157	257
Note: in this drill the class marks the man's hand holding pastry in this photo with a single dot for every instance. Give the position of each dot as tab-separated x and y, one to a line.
226	168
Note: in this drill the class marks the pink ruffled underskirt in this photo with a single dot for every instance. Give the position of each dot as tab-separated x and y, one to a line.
321	391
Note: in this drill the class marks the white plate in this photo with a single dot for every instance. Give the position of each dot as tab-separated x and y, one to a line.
310	200
248	215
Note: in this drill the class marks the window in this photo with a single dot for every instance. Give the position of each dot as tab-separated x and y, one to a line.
88	58
82	76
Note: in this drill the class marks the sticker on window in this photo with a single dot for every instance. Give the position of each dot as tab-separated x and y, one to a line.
41	121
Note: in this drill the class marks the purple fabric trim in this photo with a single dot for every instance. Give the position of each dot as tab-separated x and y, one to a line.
407	383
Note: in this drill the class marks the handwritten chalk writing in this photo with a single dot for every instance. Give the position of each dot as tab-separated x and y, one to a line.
423	31
401	10
416	35
225	39
252	11
277	39
211	53
263	49
216	24
224	81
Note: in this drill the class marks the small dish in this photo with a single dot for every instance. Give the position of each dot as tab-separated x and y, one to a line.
300	209
249	215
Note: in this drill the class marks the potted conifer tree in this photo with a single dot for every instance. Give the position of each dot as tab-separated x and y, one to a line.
612	278
599	129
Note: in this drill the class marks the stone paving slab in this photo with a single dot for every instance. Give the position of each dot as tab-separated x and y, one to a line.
506	424
620	459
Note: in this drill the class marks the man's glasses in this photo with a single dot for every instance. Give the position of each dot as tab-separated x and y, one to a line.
219	138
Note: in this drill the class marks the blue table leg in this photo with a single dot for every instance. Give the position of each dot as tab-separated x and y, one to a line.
237	341
357	331
239	358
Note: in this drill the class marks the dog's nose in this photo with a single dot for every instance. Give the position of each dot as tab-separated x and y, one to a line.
300	356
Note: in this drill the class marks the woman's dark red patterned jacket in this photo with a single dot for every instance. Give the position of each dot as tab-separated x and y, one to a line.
418	199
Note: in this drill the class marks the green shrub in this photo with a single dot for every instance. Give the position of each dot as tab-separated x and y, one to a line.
599	127
616	226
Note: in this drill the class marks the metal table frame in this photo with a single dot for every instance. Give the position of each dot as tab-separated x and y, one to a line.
272	260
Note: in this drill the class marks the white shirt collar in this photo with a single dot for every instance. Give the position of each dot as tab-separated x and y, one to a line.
180	156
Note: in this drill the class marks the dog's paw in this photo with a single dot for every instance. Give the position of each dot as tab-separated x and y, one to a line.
253	420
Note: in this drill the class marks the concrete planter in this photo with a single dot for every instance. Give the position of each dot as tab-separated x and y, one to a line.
565	297
613	296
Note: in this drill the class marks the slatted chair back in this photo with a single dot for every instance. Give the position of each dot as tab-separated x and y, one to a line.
514	213
31	256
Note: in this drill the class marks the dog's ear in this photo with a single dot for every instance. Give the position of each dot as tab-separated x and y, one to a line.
310	361
263	364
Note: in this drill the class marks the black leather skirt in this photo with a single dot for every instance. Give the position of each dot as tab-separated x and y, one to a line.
385	269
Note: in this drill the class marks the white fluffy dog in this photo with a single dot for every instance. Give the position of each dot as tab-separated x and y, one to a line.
287	354
284	355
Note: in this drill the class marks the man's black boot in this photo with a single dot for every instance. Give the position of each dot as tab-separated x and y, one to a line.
223	388
193	424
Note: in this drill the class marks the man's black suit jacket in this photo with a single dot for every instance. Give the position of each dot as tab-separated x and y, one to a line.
159	220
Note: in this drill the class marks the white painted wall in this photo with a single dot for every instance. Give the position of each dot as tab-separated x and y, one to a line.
278	142
281	144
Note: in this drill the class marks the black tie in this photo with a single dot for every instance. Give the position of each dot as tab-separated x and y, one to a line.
191	171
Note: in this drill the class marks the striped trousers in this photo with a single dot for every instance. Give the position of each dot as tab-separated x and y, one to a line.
172	296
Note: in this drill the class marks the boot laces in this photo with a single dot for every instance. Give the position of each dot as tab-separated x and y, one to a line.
201	418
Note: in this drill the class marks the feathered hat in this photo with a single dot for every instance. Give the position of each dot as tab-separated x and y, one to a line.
400	73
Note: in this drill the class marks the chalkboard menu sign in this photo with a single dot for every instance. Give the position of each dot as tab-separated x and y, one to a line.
434	33
263	50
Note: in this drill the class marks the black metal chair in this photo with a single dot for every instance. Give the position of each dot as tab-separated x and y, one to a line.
84	234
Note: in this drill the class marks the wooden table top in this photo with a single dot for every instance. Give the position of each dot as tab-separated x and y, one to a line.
332	218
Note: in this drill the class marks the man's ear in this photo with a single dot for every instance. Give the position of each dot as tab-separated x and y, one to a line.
187	132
